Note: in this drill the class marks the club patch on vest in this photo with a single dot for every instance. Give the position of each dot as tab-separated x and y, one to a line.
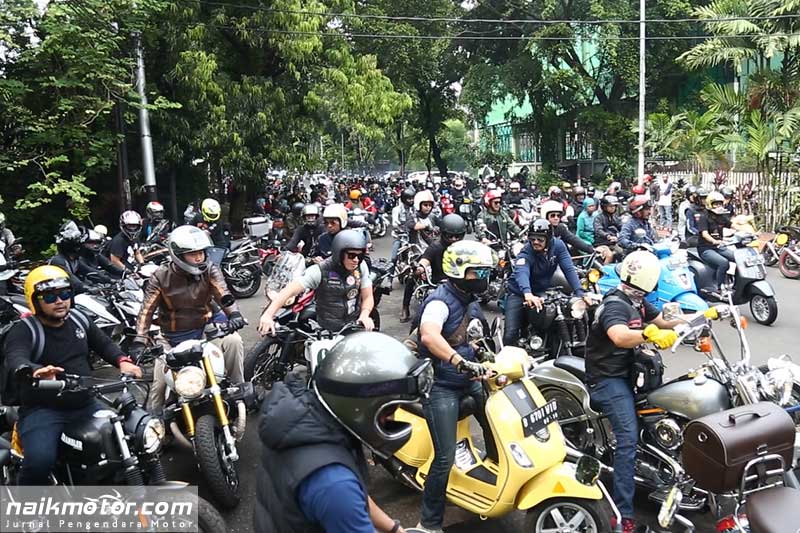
351	280
352	293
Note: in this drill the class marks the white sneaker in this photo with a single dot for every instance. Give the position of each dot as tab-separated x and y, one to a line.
422	529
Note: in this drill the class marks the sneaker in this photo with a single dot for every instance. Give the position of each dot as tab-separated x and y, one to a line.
423	529
628	524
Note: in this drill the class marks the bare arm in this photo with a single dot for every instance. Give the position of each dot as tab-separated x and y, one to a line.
290	291
117	261
381	520
431	336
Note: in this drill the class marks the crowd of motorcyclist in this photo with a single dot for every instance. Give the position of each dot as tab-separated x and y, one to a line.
315	470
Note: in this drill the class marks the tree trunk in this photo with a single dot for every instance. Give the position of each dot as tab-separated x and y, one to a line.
436	151
239	208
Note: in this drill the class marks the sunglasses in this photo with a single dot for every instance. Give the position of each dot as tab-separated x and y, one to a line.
554	215
538	238
482	273
51	297
354	255
495	202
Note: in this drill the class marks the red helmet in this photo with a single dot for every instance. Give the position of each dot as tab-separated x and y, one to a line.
647	178
492	194
638	203
638	189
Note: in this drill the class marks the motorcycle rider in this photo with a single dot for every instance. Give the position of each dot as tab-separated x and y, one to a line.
710	227
727	193
335	219
607	225
153	223
123	250
444	317
400	215
342	285
91	254
421	226
585	226
553	212
496	222
65	337
693	216
295	218
208	219
640	209
313	472
578	196
618	328
7	246
534	267
308	233
184	292
453	229
683	210
514	195
68	243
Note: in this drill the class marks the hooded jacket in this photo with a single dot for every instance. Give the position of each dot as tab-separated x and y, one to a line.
298	437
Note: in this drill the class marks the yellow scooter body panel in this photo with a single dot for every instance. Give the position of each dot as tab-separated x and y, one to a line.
556	482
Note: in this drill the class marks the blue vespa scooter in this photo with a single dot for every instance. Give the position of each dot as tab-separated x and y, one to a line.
676	284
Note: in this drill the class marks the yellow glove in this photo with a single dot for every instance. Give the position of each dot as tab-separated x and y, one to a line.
663	338
711	313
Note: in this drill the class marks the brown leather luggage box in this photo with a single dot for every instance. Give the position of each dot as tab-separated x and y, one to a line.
717	447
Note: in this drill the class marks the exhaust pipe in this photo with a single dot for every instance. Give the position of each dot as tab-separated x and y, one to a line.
180	438
241	421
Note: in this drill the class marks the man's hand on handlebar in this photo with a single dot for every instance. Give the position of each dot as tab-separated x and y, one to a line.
534	301
473	369
266	326
236	321
367	322
130	369
47	372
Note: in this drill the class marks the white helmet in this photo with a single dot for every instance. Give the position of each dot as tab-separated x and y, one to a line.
640	270
336	211
514	186
422	196
185	239
102	230
551	206
130	222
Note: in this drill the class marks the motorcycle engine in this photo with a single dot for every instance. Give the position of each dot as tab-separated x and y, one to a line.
667	434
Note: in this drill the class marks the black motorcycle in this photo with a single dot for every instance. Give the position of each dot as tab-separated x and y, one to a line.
241	266
120	445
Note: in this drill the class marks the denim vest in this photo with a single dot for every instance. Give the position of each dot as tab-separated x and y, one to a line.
458	304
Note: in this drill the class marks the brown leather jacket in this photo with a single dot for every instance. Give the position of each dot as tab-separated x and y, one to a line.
183	302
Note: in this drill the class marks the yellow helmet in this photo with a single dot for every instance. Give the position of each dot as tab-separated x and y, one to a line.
463	255
714	197
44	278
210	209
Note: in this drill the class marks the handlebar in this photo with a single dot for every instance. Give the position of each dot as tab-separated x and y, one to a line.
317	331
74	382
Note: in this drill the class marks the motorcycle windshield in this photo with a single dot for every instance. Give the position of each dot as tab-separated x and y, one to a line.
289	266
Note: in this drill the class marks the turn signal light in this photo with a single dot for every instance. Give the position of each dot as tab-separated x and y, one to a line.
743	322
704	344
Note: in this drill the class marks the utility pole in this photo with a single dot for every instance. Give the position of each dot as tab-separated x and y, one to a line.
642	90
123	185
144	124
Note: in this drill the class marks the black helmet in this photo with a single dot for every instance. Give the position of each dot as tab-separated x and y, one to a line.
363	379
607	200
540	228
92	241
727	192
69	238
349	239
453	228
408	196
702	194
690	191
297	208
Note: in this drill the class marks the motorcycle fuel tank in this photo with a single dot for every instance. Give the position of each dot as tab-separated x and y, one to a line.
691	398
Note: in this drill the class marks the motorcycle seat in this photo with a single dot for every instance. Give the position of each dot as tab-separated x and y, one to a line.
18	299
774	510
236	243
466	408
574	365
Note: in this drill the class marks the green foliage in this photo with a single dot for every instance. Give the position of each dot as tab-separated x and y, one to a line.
496	160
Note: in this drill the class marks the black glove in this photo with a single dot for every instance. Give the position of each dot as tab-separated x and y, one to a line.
136	350
236	321
472	368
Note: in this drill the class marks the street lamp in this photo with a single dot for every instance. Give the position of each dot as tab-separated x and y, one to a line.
642	89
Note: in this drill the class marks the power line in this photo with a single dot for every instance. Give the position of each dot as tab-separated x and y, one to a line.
396	18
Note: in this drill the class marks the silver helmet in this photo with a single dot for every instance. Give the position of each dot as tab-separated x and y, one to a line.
185	239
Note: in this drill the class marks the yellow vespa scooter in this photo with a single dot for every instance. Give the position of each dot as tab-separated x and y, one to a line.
531	473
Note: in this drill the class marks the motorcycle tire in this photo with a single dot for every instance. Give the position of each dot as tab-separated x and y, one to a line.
788	266
577	435
764	309
263	360
221	479
208	518
553	513
247	289
770	259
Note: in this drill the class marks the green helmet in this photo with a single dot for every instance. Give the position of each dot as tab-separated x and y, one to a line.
362	380
463	255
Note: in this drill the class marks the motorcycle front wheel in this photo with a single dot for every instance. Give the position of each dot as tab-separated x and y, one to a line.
262	364
219	472
788	266
244	282
769	254
575	515
764	309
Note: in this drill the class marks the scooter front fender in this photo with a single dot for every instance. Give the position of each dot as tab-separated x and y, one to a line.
557	481
760	287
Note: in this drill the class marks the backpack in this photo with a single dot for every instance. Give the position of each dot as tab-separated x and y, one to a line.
8	386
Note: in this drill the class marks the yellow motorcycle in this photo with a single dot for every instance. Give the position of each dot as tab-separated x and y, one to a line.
531	473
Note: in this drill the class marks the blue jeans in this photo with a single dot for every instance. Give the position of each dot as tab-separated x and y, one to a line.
395	248
719	259
665	215
441	413
615	398
40	431
518	317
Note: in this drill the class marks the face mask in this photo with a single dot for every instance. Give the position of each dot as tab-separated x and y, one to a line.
473	286
634	294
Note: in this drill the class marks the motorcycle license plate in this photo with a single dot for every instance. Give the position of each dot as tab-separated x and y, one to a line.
540	418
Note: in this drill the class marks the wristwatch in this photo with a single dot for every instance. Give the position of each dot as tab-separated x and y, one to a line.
396	527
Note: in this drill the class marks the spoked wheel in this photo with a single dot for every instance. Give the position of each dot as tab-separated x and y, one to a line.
244	282
569	515
219	472
788	266
262	365
764	309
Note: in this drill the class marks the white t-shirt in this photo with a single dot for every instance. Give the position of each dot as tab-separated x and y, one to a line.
435	312
312	277
663	197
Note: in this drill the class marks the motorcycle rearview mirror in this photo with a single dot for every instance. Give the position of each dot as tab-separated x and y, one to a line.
475	329
666	515
587	470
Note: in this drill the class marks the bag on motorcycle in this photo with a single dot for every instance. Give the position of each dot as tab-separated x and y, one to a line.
648	370
717	447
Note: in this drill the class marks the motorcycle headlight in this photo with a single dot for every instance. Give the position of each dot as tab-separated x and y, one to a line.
594	275
190	382
578	308
152	435
535	343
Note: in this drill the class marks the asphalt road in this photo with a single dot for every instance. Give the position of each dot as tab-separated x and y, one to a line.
403	503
